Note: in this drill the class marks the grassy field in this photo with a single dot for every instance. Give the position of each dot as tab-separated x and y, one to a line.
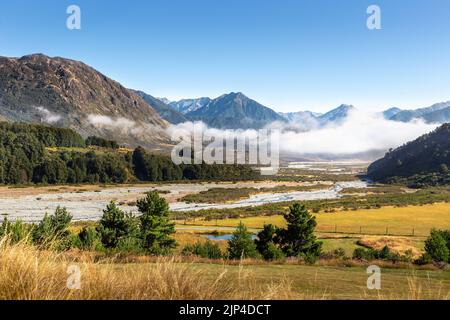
406	227
27	273
321	282
398	221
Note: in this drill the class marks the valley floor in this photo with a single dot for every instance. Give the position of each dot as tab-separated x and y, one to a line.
353	217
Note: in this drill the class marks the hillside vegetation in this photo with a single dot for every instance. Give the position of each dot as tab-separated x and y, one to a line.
39	154
424	161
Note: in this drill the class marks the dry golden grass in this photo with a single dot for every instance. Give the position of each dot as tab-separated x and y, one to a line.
29	274
396	244
184	238
398	221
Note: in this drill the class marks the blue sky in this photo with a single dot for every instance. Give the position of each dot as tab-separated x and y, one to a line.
289	55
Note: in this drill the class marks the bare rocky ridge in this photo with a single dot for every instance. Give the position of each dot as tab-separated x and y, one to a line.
70	94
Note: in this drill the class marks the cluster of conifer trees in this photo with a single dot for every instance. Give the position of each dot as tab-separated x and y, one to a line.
39	154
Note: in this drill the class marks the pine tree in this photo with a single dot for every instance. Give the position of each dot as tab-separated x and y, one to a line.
298	240
265	243
116	226
156	228
241	244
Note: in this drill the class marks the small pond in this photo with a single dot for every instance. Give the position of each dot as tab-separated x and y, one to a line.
225	237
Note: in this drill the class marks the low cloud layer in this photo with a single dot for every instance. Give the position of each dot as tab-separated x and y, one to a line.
48	116
105	121
125	127
358	133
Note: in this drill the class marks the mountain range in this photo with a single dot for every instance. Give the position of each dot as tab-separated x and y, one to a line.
235	110
67	93
437	113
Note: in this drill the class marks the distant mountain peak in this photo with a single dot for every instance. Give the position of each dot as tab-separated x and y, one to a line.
389	113
438	112
165	111
235	111
185	106
337	114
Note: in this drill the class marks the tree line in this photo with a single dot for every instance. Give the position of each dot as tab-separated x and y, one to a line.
25	158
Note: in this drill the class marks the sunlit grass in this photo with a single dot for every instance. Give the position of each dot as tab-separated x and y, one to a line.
396	221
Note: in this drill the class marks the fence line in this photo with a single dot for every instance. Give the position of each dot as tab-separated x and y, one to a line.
370	230
340	229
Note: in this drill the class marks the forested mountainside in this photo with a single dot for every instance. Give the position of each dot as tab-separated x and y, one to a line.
40	154
424	161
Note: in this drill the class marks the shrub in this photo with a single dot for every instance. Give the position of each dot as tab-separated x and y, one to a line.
363	254
207	249
338	253
273	252
384	254
446	235
130	244
241	245
16	231
424	259
53	230
89	239
436	247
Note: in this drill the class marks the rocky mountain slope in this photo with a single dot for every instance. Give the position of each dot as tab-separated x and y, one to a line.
188	105
164	110
68	93
235	111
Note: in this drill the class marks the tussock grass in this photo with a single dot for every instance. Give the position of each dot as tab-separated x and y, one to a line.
27	273
397	244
